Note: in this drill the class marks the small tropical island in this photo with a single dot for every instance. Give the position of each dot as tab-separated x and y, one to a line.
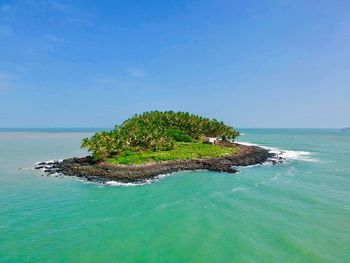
154	143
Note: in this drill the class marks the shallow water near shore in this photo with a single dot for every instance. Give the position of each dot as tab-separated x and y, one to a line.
295	212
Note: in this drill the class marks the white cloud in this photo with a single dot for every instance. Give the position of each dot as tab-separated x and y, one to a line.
5	8
5	80
72	15
105	81
5	31
57	40
137	73
76	21
4	76
64	8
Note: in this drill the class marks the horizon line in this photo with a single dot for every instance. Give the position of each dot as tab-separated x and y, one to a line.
100	128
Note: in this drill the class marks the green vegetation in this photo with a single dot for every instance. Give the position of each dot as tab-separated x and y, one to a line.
178	135
158	136
181	151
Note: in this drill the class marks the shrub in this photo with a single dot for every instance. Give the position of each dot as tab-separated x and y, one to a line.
156	131
178	135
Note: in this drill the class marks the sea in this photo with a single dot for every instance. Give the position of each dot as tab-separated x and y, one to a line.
298	211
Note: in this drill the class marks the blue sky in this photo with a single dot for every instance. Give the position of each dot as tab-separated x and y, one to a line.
250	63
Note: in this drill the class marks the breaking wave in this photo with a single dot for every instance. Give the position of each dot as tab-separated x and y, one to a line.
144	182
287	154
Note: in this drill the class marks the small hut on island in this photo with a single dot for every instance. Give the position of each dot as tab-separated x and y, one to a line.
211	140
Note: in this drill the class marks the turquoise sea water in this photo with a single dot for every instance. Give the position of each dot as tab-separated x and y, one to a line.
295	212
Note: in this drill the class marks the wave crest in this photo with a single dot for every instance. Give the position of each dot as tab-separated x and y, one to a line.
148	181
286	154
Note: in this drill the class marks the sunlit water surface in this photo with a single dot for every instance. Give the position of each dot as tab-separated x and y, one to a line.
295	212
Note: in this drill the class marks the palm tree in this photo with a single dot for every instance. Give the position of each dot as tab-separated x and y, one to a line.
149	130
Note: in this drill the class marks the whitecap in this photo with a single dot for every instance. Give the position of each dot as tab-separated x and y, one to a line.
249	144
148	181
239	189
286	154
275	177
116	183
50	161
293	155
26	168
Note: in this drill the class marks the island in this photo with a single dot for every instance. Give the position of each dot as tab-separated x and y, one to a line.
154	143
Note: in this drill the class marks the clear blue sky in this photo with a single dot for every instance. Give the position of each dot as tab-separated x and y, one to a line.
250	63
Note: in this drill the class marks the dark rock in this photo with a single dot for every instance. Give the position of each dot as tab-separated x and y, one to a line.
90	170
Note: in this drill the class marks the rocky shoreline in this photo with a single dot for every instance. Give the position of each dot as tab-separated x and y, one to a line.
87	168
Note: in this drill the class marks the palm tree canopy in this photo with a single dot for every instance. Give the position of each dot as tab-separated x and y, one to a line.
156	130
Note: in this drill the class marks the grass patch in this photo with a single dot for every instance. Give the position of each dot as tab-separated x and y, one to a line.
181	151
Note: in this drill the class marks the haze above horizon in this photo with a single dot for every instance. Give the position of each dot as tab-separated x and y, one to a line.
257	64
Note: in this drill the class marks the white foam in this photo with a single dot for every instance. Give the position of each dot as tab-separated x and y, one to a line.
50	161
296	155
293	155
116	183
148	181
26	168
250	144
275	177
239	189
286	154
